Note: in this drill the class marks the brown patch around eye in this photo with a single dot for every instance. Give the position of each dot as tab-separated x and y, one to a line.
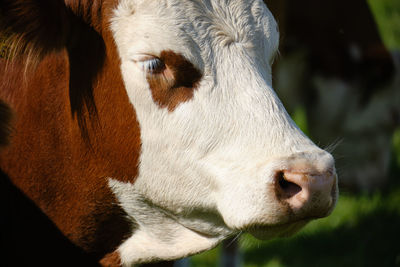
177	82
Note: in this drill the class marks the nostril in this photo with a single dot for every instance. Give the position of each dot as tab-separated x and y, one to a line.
286	187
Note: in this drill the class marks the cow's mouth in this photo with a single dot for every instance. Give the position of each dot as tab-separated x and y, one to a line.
265	232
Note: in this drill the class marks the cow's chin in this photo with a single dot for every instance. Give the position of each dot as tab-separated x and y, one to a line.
265	232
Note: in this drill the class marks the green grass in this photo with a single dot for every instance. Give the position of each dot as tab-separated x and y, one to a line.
362	231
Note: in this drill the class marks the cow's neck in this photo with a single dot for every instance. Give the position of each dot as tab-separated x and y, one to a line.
64	175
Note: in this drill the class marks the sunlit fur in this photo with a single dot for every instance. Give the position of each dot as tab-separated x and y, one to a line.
206	168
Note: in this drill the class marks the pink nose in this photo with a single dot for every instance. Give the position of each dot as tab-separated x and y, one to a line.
308	194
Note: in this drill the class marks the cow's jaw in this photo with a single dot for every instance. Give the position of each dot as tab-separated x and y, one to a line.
209	165
159	234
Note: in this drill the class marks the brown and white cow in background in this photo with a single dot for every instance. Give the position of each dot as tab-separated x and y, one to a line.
149	130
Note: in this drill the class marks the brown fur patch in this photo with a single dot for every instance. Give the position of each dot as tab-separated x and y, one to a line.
176	83
4	49
32	29
27	24
111	260
49	159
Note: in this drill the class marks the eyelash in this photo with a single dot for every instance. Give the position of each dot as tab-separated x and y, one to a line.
153	65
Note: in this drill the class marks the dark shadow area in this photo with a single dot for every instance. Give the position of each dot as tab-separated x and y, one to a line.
159	264
336	70
374	241
29	238
394	173
86	54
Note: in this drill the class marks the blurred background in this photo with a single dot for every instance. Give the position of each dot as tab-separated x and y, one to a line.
338	75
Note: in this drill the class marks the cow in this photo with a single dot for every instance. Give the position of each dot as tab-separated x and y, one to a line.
149	130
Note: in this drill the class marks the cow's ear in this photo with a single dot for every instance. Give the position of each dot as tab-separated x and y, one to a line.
32	27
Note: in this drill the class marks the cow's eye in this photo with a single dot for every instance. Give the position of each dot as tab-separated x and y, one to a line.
152	65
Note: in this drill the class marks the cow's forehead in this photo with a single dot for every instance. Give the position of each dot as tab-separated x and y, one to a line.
197	29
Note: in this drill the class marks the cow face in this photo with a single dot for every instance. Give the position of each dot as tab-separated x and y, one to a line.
219	155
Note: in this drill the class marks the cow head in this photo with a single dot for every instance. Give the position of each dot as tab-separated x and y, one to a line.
219	154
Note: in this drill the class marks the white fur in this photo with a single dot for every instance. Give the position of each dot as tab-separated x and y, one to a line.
206	169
